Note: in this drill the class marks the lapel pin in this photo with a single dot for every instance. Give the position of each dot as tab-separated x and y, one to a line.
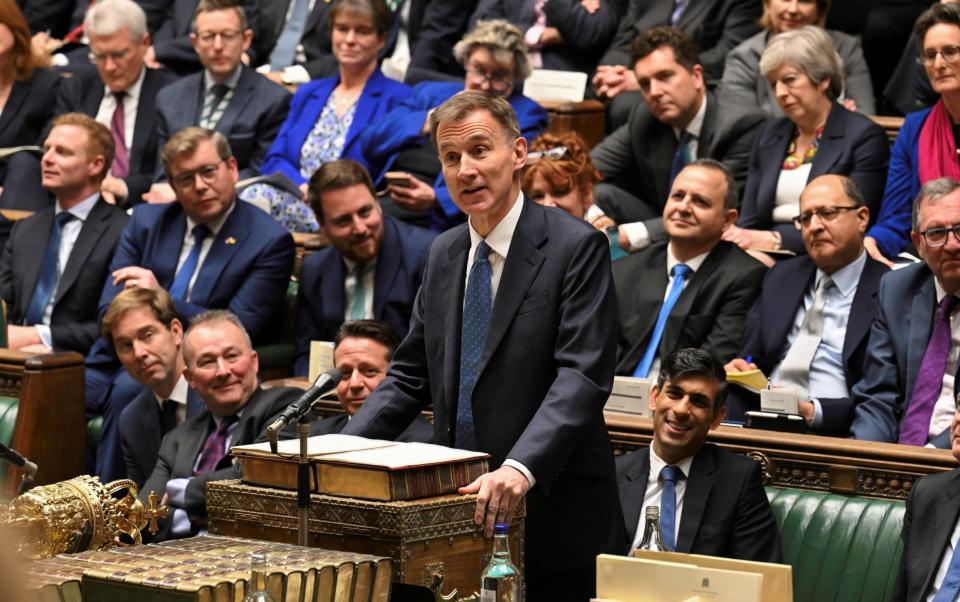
231	240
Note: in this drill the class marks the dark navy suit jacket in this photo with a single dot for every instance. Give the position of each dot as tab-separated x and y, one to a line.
28	109
140	432
771	319
73	323
725	508
419	431
380	95
247	269
321	304
907	304
545	373
171	40
400	128
852	145
250	122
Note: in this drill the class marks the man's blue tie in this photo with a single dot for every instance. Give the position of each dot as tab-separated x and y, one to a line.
49	272
680	158
951	581
477	307
668	506
182	281
285	51
679	273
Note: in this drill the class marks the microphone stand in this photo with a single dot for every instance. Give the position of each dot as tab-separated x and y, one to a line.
303	481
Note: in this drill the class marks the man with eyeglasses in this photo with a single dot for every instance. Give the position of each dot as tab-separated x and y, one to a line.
908	390
226	96
692	290
173	45
679	121
809	328
208	250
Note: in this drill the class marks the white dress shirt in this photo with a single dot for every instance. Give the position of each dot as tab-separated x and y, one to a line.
946	405
188	242
179	397
499	242
131	101
654	493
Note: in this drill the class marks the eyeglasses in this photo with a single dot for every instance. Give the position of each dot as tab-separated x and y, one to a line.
824	214
101	57
556	153
498	81
227	37
188	179
937	237
949	53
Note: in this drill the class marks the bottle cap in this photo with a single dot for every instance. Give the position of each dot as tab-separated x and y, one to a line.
501	529
652	512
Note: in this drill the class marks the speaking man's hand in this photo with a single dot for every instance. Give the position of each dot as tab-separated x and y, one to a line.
498	494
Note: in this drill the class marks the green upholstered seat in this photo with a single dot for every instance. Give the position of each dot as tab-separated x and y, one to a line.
8	420
276	357
842	548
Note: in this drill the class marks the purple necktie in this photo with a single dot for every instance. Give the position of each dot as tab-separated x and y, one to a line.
121	161
926	389
215	447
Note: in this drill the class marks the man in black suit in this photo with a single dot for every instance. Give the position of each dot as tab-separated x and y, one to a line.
679	120
518	357
226	96
141	326
293	43
720	506
420	44
694	289
55	262
222	366
715	26
372	267
833	218
362	352
173	44
929	567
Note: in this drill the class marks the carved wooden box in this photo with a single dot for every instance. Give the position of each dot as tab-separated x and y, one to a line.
425	538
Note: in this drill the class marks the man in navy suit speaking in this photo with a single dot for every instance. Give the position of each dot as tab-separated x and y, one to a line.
513	340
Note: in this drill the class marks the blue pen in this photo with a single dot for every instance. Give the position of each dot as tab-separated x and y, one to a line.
748	359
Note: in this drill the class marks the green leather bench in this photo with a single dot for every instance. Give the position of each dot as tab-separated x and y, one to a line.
841	548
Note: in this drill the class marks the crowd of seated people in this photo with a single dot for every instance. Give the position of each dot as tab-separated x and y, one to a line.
752	204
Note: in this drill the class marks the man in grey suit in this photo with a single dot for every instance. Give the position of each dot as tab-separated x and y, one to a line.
517	358
679	120
54	263
908	390
226	96
222	366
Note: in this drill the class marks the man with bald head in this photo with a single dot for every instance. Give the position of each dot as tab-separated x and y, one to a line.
809	328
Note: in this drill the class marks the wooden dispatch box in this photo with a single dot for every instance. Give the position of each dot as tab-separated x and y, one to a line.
426	537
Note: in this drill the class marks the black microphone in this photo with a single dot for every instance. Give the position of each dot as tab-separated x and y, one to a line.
14	457
324	383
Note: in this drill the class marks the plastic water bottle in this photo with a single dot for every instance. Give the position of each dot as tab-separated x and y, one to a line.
257	587
500	581
652	537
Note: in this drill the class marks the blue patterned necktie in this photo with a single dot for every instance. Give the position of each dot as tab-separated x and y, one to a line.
182	281
680	158
49	272
668	505
679	273
477	307
951	581
285	51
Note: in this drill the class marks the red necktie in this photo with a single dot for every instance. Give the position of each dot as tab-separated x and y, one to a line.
121	161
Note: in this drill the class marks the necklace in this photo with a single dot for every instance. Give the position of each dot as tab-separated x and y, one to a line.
793	160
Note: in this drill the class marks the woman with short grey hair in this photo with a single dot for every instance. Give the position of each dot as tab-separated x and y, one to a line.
816	136
503	40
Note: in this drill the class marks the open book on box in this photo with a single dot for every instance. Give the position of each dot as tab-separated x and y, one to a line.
365	468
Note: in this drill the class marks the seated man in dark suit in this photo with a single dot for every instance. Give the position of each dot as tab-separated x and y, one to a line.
715	26
54	263
173	45
719	507
293	44
120	93
693	290
226	96
222	366
371	269
141	326
819	353
679	120
930	564
207	249
908	390
362	351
